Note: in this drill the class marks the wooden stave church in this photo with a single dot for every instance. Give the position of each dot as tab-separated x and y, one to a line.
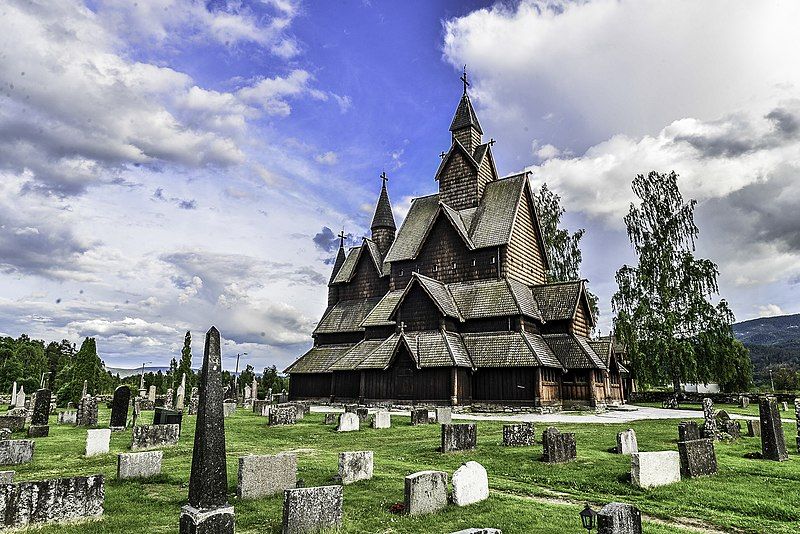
454	308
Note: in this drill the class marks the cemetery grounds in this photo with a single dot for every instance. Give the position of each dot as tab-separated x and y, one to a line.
527	496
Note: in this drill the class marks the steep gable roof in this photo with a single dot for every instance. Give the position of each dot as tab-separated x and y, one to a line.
465	115
346	316
415	226
455	148
337	264
559	301
508	349
383	218
319	358
381	313
573	351
348	269
494	220
437	292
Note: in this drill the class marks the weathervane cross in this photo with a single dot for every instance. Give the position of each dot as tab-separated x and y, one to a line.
464	79
341	238
384	177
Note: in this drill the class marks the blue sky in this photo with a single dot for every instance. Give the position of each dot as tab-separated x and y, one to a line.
172	164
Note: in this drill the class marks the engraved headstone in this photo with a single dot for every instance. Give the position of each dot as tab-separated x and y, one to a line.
744	401
208	511
348	422
558	447
470	484
753	428
697	458
626	442
139	464
262	476
282	416
20	400
119	407
16	451
773	444
459	437
355	466
149	436
652	469
228	408
688	431
180	396
168	404
382	419
69	417
519	435
14	394
709	421
85	388
87	412
151	393
419	416
41	414
97	441
164	416
619	518
363	416
425	492
310	510
54	500
444	415
15	423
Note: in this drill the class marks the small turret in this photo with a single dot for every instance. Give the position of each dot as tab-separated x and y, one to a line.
333	291
383	227
465	126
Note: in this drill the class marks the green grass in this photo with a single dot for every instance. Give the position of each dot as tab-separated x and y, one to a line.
751	410
746	495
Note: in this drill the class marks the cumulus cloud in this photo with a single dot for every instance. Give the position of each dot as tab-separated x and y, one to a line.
770	310
327	158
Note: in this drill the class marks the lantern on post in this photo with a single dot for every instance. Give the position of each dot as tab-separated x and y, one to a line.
587	517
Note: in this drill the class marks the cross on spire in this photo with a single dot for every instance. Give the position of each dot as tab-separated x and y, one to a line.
384	178
464	79
341	238
402	327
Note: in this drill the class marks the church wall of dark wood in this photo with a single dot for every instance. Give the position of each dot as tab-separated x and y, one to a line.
529	325
445	257
418	311
580	324
366	281
524	255
504	383
575	385
485	174
458	184
491	324
309	385
346	384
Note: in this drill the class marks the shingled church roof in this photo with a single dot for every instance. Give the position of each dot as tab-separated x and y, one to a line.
383	217
573	351
465	115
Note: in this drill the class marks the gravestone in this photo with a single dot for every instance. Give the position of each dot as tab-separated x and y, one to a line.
168	404
444	415
784	406
69	417
7	477
254	390
732	428
688	431
329	419
348	422
87	412
259	405
151	394
16	451
282	416
558	447
709	421
697	458
419	416
470	484
228	409
355	466
119	407
149	436
264	475
97	441
382	420
351	408
797	421
626	442
41	408
248	394
773	444
744	401
652	469
619	518
519	435
13	422
51	501
139	464
208	511
85	391
310	510
38	431
425	492
164	416
363	416
20	400
459	437
13	394
753	429
194	401
180	396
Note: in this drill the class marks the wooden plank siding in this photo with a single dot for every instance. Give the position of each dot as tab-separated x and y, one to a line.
458	183
505	384
316	385
524	261
418	311
366	281
345	384
581	322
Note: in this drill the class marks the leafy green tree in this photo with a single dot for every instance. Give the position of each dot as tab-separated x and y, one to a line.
86	365
271	379
173	374
185	365
785	379
672	331
563	247
246	377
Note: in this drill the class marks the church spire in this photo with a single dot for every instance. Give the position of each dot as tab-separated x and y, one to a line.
465	126
340	257
383	227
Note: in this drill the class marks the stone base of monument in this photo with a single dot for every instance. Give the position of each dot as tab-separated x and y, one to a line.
118	428
38	431
206	521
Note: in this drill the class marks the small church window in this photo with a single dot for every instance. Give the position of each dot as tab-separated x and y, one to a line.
492	260
435	267
473	263
401	272
454	266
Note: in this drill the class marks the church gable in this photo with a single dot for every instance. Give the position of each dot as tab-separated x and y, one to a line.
365	280
526	259
458	179
418	311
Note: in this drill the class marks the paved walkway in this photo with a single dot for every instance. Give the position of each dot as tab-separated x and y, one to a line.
626	414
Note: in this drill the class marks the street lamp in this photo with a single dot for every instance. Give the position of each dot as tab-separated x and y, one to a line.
587	517
141	376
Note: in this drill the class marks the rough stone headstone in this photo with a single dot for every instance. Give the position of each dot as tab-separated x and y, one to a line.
139	464
425	492
619	518
20	400
14	394
626	442
194	402
329	419
363	416
382	420
119	407
208	511
97	441
558	447
722	416
150	436
519	435
41	408
229	408
180	396
709	421
355	466
16	451
67	418
348	422
14	423
444	415
470	484
697	458
87	412
54	500
254	389
165	416
168	402
419	416
38	431
753	428
310	510
259	405
773	444
688	431
459	437
7	477
85	388
732	428
282	416
151	393
350	408
248	393
262	476
652	469
744	401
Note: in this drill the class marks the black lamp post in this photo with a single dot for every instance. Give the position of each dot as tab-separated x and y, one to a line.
587	517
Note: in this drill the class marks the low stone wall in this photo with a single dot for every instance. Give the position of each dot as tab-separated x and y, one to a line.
697	398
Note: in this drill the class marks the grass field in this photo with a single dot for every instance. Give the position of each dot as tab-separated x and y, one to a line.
751	410
747	495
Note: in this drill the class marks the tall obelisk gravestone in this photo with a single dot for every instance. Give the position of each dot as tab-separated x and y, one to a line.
208	511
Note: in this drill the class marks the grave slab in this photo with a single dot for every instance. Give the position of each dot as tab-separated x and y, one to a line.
355	466
348	422
311	510
139	464
619	518
519	435
470	484
97	441
459	437
653	469
265	475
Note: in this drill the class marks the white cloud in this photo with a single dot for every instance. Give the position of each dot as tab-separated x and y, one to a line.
270	94
770	310
327	158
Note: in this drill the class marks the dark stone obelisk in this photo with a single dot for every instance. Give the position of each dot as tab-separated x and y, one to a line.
208	511
119	407
41	413
773	444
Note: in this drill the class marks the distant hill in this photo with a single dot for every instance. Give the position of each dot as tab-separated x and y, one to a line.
122	372
774	342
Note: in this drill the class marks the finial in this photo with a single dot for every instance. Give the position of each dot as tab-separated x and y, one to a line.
492	141
464	79
442	155
402	327
384	178
341	238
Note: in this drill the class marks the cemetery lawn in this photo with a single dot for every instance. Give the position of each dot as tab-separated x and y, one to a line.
746	495
751	410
